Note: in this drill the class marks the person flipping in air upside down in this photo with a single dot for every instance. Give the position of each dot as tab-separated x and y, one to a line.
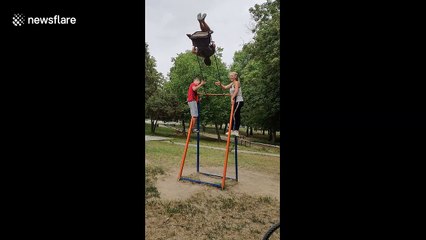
207	51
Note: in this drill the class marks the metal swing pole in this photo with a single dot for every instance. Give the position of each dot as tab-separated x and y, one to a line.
227	148
199	64
198	120
236	155
217	67
198	136
182	163
236	158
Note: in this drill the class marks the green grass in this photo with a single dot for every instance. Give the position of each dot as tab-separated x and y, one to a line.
206	141
167	155
166	132
257	135
160	131
179	138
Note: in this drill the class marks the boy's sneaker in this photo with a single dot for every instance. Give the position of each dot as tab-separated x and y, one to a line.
203	16
234	133
195	130
199	17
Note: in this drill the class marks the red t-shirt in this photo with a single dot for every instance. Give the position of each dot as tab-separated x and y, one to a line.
192	95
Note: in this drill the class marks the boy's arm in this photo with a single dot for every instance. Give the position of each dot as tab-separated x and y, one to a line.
198	86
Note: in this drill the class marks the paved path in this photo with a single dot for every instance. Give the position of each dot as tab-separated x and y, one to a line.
155	138
223	149
213	136
225	137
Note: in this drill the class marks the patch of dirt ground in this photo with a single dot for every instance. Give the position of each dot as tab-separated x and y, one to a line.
244	210
249	182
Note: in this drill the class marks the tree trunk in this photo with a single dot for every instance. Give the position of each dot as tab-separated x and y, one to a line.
224	129
263	131
247	131
274	136
152	126
251	131
183	126
220	126
204	127
155	125
270	135
217	131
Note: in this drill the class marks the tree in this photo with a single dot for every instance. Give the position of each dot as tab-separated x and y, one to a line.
153	99
244	64
161	106
187	66
259	66
153	79
266	51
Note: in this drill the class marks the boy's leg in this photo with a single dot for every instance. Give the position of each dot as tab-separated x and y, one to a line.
193	108
204	27
194	112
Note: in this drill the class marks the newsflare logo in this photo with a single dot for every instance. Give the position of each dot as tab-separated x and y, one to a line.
19	19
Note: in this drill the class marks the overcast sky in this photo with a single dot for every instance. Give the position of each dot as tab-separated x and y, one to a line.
167	22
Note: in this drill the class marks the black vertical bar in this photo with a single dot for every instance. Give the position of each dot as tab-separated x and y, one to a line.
236	158
198	138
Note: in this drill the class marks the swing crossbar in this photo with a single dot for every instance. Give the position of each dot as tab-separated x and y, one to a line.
214	94
215	175
200	182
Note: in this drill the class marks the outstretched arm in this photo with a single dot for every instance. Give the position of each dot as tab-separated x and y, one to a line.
218	83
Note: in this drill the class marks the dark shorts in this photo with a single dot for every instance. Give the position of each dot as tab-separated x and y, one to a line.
205	52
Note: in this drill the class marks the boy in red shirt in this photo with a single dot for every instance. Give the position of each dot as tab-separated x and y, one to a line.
193	98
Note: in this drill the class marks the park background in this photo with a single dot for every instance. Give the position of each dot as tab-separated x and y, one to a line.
179	210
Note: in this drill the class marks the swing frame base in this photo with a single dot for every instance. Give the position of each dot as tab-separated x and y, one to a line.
200	182
215	175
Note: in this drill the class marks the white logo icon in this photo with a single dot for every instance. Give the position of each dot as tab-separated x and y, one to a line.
18	19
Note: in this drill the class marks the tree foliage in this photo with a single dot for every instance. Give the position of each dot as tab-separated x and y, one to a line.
154	96
153	78
186	67
161	106
259	66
